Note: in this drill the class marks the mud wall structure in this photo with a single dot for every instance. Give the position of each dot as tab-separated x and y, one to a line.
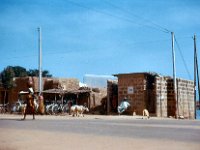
156	93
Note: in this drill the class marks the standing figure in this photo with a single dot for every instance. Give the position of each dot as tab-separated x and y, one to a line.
124	105
30	107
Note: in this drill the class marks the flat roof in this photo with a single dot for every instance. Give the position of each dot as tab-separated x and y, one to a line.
136	73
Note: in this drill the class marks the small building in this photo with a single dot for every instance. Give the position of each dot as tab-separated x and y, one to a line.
59	90
21	84
96	81
155	93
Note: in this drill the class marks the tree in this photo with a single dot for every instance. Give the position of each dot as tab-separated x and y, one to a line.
19	71
7	76
45	73
35	72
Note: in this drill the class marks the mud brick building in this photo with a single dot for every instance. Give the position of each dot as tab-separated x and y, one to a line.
112	96
12	95
185	98
162	96
60	90
155	93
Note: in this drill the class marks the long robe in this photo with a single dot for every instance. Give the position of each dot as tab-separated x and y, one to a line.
30	107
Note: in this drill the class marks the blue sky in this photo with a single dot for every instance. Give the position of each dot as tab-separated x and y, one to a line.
100	37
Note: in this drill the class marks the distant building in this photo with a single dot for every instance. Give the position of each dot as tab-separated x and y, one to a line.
153	92
59	90
97	81
12	95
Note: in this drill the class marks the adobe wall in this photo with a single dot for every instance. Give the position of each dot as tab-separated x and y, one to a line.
161	96
185	94
98	99
171	103
47	83
133	87
112	96
156	93
68	83
185	98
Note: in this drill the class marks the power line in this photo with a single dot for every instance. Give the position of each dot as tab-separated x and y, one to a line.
155	25
121	18
184	62
52	52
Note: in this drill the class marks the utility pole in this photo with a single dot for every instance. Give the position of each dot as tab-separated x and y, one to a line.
40	60
174	76
195	76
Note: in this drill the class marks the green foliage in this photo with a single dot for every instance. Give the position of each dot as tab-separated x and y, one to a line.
33	72
19	71
45	73
7	75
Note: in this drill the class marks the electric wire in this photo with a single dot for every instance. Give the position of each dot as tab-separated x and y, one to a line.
155	25
182	57
54	52
118	17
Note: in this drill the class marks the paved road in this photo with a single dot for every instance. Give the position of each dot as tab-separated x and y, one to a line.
98	132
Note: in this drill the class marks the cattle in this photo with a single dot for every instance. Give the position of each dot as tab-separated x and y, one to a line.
145	113
78	110
18	107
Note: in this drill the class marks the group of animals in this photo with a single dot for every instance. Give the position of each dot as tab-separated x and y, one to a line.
31	107
124	105
76	110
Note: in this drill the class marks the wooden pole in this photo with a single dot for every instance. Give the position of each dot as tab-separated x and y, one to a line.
40	60
174	76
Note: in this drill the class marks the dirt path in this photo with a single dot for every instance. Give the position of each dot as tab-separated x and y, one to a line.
42	140
19	139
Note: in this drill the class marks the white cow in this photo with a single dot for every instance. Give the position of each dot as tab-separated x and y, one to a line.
146	113
78	110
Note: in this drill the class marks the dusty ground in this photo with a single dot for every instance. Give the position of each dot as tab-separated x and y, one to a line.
12	139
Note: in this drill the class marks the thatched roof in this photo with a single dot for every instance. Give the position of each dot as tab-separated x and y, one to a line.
68	91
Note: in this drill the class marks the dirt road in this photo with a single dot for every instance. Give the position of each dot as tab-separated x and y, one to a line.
17	138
